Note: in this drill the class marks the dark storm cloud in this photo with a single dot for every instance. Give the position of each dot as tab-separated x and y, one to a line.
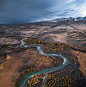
25	11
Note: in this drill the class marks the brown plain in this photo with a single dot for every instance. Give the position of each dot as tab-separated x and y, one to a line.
10	67
82	60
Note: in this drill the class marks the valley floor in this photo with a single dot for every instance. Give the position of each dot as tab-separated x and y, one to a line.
67	40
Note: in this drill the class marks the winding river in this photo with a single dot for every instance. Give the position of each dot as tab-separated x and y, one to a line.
45	70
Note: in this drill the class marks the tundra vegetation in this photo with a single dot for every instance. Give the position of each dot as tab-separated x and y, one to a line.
56	79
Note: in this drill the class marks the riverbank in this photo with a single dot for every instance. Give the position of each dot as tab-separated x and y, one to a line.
29	62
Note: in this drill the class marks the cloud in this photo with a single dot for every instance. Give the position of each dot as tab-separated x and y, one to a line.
26	11
69	1
79	10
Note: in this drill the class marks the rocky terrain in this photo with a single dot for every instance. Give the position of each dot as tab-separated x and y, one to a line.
70	32
63	37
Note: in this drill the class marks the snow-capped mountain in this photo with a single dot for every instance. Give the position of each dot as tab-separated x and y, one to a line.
69	19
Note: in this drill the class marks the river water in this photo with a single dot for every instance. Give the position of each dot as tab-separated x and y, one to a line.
45	70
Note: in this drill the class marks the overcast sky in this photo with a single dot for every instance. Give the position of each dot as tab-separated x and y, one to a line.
26	11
